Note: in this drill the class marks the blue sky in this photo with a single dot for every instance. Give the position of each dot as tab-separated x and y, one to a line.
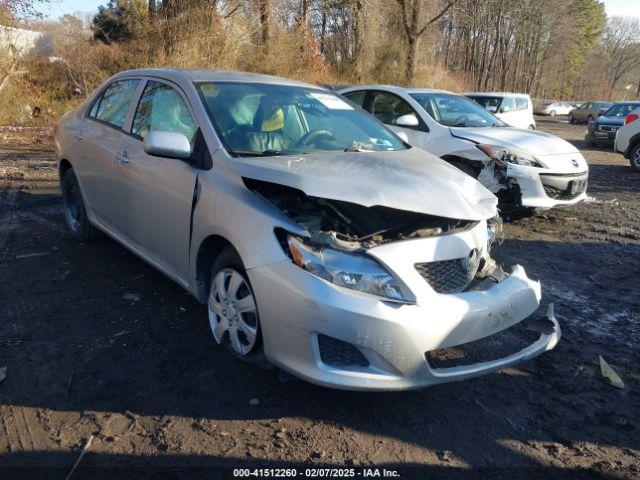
58	8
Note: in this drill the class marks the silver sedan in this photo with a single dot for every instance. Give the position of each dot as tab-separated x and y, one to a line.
319	240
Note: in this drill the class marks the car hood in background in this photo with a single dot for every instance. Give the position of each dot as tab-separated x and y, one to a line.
531	141
614	121
411	180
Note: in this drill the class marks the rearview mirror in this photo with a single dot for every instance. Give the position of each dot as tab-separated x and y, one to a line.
167	144
409	120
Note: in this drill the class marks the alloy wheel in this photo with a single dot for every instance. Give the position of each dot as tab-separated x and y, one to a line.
233	315
636	159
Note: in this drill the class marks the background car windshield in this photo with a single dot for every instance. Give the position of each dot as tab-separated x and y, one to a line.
456	111
255	119
621	109
491	104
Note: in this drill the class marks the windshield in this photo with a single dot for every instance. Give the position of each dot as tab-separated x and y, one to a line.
621	109
455	110
266	119
491	104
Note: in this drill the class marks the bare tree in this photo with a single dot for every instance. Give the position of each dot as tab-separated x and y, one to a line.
413	29
621	42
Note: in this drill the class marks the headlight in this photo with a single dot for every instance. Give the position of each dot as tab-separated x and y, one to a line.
510	155
348	270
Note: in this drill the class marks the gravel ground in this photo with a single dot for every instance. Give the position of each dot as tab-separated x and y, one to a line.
101	348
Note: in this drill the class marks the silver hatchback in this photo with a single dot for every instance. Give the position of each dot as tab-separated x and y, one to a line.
316	237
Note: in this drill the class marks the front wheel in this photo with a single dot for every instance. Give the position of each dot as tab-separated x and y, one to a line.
634	158
75	212
233	313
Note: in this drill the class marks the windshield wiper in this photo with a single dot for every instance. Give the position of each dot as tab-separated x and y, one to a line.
253	153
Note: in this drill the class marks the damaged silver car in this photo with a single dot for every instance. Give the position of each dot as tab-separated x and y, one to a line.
316	237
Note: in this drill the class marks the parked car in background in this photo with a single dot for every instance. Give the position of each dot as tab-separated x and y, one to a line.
603	130
627	140
588	112
527	170
554	108
514	109
317	238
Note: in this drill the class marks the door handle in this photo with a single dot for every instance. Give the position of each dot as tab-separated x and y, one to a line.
122	157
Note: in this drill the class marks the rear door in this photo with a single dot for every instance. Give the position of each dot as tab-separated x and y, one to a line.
154	195
99	139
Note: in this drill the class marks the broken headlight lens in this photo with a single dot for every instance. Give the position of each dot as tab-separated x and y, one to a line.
348	270
510	155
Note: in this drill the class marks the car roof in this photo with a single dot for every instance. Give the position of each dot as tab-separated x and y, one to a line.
396	89
203	75
496	94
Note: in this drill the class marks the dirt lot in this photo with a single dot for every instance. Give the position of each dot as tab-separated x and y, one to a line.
100	346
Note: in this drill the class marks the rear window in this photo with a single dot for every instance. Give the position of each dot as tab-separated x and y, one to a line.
112	106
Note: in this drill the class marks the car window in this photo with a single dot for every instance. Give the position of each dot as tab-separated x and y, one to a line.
456	111
388	107
161	108
113	104
492	104
522	103
508	104
356	97
620	110
588	106
254	119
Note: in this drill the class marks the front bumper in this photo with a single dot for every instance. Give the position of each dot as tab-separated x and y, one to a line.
543	189
296	307
601	137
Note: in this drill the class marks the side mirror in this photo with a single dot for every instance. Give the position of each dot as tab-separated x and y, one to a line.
409	120
167	145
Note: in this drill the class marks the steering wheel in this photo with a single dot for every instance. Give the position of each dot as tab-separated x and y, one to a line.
461	119
310	137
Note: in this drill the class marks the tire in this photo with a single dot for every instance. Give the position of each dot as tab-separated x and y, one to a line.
232	308
571	120
75	213
552	113
634	157
590	119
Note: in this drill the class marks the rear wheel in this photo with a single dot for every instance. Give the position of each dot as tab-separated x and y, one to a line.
233	312
634	158
75	213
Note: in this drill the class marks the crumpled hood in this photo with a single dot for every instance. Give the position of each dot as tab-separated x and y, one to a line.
411	180
534	142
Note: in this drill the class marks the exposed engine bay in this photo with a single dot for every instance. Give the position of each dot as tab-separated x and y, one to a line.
349	226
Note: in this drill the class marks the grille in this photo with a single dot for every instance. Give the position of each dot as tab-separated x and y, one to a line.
607	128
337	353
566	194
448	276
493	347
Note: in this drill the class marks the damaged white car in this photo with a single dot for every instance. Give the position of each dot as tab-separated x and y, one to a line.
525	169
315	236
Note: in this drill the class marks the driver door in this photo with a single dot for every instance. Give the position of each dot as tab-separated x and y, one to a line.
154	195
388	107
